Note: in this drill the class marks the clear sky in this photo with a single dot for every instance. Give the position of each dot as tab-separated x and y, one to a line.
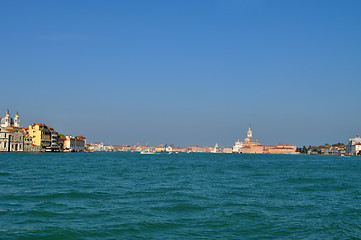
184	72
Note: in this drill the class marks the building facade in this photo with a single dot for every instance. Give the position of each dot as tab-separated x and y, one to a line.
4	140
216	149
16	139
354	146
41	135
75	144
28	143
54	145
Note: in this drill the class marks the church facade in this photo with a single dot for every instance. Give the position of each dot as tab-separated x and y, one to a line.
4	140
7	121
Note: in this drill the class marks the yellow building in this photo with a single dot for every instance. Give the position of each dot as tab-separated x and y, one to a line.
40	134
160	148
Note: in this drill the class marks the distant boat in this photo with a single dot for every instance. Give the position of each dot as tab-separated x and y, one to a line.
173	152
294	153
147	151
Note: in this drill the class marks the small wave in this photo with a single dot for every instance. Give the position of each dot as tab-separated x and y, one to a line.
308	180
181	208
74	195
51	232
41	213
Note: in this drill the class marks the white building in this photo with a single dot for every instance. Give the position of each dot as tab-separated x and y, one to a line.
354	146
238	145
74	144
169	149
7	121
4	140
216	149
227	150
98	146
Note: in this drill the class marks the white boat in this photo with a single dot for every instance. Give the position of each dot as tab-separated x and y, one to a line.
147	151
294	153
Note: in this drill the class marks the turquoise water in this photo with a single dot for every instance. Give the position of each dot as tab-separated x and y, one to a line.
185	196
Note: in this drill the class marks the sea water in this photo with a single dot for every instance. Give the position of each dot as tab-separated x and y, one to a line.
186	196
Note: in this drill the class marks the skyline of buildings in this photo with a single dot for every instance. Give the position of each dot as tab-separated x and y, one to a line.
35	138
40	137
7	120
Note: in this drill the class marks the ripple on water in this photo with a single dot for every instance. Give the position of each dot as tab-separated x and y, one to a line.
4	174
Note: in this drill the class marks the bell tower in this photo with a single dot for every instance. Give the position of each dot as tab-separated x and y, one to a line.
7	119
249	133
17	120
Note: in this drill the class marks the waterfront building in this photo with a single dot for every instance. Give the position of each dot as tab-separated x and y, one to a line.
227	150
160	148
201	149
326	150
195	149
333	150
119	148
82	138
126	148
54	146
4	140
169	149
69	143
252	147
61	139
109	148
207	149
249	146
342	149
216	149
7	121
16	139
139	148
354	146
28	143
75	144
237	146
180	149
41	135
280	149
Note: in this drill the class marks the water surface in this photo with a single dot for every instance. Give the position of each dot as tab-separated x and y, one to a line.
185	196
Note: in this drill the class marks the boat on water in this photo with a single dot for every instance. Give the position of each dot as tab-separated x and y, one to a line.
147	151
294	153
173	152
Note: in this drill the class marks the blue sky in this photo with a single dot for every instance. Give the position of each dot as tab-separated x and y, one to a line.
184	72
